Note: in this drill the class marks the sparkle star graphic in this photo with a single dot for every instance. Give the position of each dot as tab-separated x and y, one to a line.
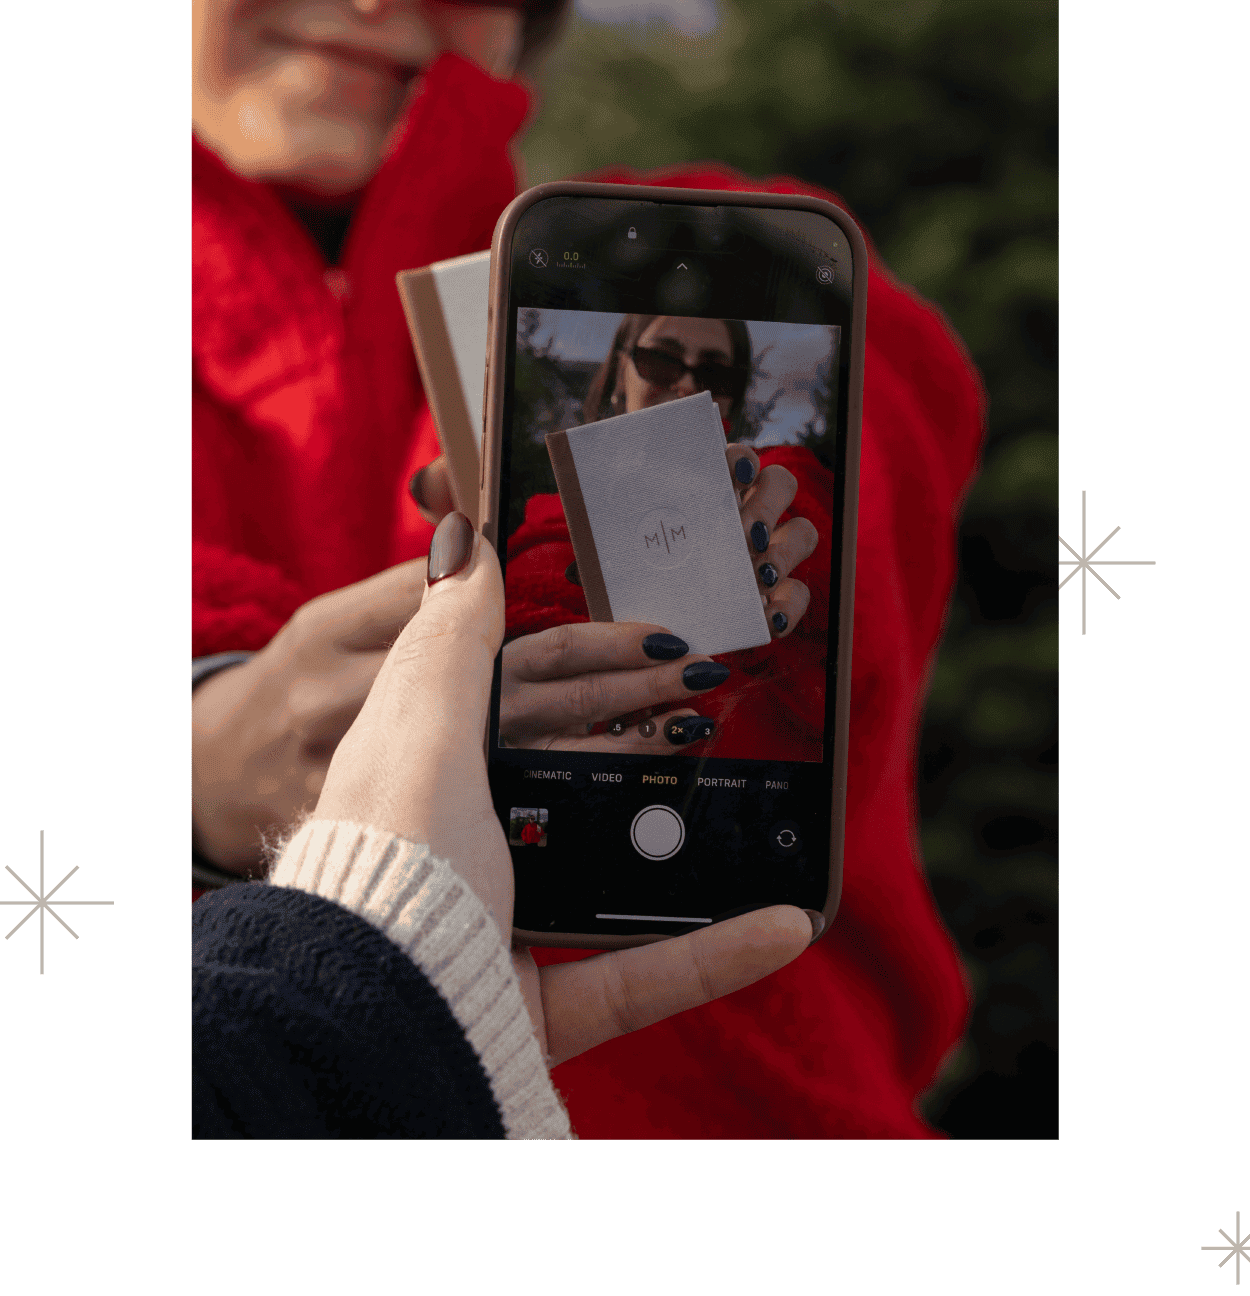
42	903
1084	563
1237	1248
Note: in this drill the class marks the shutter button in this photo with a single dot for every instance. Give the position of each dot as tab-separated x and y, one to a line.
657	832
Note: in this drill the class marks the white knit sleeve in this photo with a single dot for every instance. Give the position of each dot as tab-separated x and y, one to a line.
421	904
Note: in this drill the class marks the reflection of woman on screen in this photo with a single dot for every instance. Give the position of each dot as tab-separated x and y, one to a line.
772	705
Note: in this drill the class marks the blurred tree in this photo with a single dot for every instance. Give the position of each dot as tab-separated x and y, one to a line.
937	121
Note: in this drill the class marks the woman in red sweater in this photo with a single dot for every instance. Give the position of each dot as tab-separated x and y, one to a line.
337	143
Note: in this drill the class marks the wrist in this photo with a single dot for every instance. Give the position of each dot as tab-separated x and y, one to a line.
429	910
222	851
203	668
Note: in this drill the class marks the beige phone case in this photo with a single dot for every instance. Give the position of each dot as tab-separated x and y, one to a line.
492	444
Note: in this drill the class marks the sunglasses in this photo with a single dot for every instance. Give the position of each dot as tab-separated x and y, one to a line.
664	370
531	8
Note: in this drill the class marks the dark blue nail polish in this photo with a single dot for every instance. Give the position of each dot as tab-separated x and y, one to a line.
687	729
744	470
571	574
768	575
780	622
664	647
759	536
704	675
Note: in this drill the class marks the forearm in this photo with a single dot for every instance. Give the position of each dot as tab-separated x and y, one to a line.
363	992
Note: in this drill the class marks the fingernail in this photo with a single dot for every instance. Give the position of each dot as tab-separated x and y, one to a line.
780	621
759	536
665	647
704	675
687	729
570	574
744	470
768	574
414	488
450	548
818	923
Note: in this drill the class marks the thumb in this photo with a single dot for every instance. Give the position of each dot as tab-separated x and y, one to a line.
599	998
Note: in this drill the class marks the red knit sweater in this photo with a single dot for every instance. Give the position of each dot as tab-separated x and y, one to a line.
308	420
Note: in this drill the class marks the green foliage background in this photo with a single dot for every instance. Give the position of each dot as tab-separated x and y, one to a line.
936	120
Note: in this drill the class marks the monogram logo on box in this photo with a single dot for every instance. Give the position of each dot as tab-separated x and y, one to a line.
664	538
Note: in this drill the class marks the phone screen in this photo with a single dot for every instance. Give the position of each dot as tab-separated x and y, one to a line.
648	339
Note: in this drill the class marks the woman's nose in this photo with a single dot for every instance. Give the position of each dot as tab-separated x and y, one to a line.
686	384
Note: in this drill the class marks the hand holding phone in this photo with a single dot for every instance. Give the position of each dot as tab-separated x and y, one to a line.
412	764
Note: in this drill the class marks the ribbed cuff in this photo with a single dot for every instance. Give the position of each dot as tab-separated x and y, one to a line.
421	904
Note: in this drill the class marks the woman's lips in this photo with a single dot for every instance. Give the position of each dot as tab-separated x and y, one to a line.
353	64
368	61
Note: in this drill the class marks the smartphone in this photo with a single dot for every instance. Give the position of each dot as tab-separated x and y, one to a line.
645	333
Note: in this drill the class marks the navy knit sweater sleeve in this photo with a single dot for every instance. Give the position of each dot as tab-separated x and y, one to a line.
310	1023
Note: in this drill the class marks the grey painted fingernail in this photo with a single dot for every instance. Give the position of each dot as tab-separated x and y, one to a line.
681	730
571	574
744	470
818	923
780	621
664	647
704	675
450	548
759	536
768	574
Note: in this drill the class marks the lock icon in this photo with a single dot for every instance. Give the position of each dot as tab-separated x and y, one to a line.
633	233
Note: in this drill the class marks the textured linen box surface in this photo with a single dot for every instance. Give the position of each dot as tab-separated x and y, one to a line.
655	525
445	305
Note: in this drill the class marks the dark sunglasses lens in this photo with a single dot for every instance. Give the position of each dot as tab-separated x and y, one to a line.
655	367
715	378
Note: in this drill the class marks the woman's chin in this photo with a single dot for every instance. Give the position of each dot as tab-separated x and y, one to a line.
329	156
332	156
